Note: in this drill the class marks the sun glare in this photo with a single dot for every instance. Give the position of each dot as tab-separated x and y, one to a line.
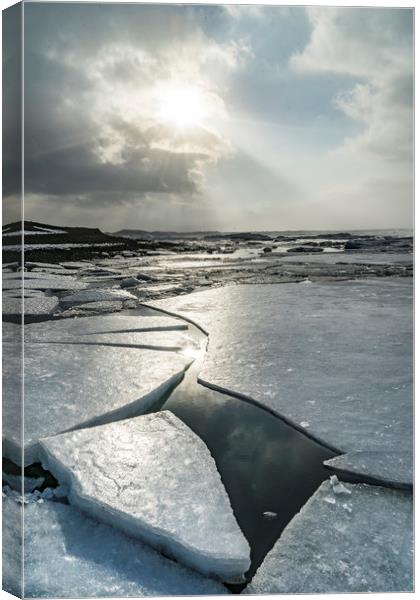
183	107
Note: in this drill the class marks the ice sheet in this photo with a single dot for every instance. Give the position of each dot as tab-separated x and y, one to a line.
152	477
70	555
335	359
68	386
343	542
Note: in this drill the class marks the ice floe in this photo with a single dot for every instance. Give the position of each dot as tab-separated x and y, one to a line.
70	555
69	386
152	477
103	306
41	281
335	358
93	325
393	468
337	543
39	304
97	295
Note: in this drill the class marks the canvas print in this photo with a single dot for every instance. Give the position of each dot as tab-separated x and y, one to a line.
207	299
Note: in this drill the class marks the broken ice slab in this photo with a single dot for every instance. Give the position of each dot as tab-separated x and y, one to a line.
70	555
360	541
68	386
104	306
76	264
92	325
41	281
143	332
153	478
34	305
334	359
96	295
394	469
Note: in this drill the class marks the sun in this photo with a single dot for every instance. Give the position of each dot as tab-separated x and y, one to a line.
183	107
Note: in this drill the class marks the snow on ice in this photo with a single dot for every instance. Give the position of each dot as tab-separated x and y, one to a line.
70	555
359	541
152	477
335	357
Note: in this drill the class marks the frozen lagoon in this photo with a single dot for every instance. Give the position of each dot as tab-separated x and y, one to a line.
335	359
246	369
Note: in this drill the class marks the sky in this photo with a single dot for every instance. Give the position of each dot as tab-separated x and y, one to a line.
217	117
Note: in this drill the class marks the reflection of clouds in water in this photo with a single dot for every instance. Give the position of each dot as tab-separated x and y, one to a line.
265	464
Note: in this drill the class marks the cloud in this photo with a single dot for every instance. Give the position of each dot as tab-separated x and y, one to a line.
307	112
375	47
95	79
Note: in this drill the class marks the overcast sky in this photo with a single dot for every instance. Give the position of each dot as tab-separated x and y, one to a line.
206	117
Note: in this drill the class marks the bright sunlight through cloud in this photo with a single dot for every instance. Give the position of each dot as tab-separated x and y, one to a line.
183	107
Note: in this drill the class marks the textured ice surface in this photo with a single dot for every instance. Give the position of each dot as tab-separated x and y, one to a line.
392	468
89	327
104	306
159	333
41	281
68	386
97	295
152	477
340	542
70	555
12	563
335	359
39	304
74	264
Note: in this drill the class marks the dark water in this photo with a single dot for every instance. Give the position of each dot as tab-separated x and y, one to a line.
265	464
34	471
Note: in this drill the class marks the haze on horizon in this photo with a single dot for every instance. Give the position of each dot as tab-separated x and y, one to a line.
216	117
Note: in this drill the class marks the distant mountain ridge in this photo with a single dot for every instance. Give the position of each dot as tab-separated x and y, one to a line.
33	231
43	240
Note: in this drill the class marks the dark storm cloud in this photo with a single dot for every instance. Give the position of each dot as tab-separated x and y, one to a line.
75	171
70	51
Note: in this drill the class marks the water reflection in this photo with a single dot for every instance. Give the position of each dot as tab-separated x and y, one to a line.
269	469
